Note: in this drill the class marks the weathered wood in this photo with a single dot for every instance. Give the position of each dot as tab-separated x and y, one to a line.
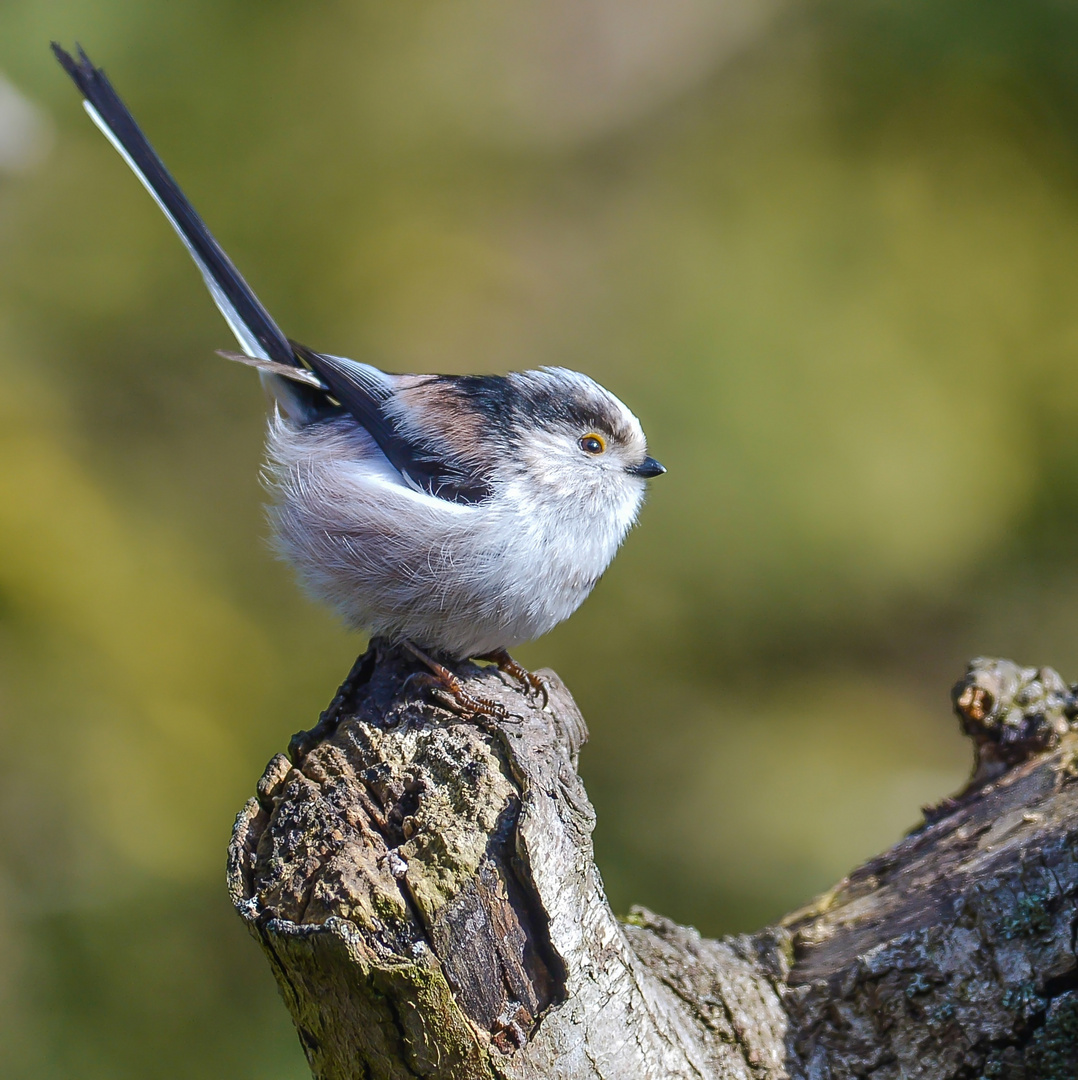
424	889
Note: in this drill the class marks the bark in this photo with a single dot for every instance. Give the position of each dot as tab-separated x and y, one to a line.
424	888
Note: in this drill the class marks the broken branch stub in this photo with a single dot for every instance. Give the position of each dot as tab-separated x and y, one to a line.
425	891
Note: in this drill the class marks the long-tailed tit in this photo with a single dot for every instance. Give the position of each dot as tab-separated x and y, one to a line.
457	515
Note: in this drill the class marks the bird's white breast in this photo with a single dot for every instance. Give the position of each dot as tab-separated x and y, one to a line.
454	578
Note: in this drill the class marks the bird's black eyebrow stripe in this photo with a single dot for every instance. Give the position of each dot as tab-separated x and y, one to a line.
509	405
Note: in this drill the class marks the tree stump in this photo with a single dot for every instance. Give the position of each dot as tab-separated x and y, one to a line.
424	889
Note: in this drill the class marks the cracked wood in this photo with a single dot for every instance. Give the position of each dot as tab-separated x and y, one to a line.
424	889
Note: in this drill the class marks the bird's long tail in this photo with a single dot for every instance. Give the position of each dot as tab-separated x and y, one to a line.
257	333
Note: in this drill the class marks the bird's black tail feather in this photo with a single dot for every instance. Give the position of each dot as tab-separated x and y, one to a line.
256	332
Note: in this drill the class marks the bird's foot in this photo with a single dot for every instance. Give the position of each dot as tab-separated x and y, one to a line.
528	679
444	681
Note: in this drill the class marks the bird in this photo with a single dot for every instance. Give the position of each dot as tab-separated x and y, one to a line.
457	516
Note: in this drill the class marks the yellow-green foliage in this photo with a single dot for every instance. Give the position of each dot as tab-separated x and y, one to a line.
828	253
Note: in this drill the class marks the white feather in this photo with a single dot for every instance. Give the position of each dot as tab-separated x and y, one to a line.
285	371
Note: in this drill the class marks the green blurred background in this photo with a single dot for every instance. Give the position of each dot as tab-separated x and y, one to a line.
825	249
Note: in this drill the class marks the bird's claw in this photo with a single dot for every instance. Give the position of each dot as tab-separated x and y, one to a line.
451	689
532	684
452	693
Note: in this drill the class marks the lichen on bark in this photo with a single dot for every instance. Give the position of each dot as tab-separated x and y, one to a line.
424	888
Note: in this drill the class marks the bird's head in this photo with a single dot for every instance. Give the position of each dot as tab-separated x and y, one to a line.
569	435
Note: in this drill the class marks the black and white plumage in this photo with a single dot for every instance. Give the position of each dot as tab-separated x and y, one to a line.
463	514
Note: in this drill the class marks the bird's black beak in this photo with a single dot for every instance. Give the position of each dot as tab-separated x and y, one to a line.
647	468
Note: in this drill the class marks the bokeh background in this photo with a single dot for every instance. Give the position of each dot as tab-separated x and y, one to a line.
828	251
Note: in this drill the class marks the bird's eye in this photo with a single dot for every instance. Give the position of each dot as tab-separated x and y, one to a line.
592	443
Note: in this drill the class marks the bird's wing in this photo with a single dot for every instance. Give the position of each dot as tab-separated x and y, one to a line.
368	394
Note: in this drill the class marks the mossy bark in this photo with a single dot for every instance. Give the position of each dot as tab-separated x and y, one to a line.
424	888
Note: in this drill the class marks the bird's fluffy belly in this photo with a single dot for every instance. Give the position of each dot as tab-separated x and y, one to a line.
458	579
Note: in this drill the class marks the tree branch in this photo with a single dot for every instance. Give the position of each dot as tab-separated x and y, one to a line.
425	891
